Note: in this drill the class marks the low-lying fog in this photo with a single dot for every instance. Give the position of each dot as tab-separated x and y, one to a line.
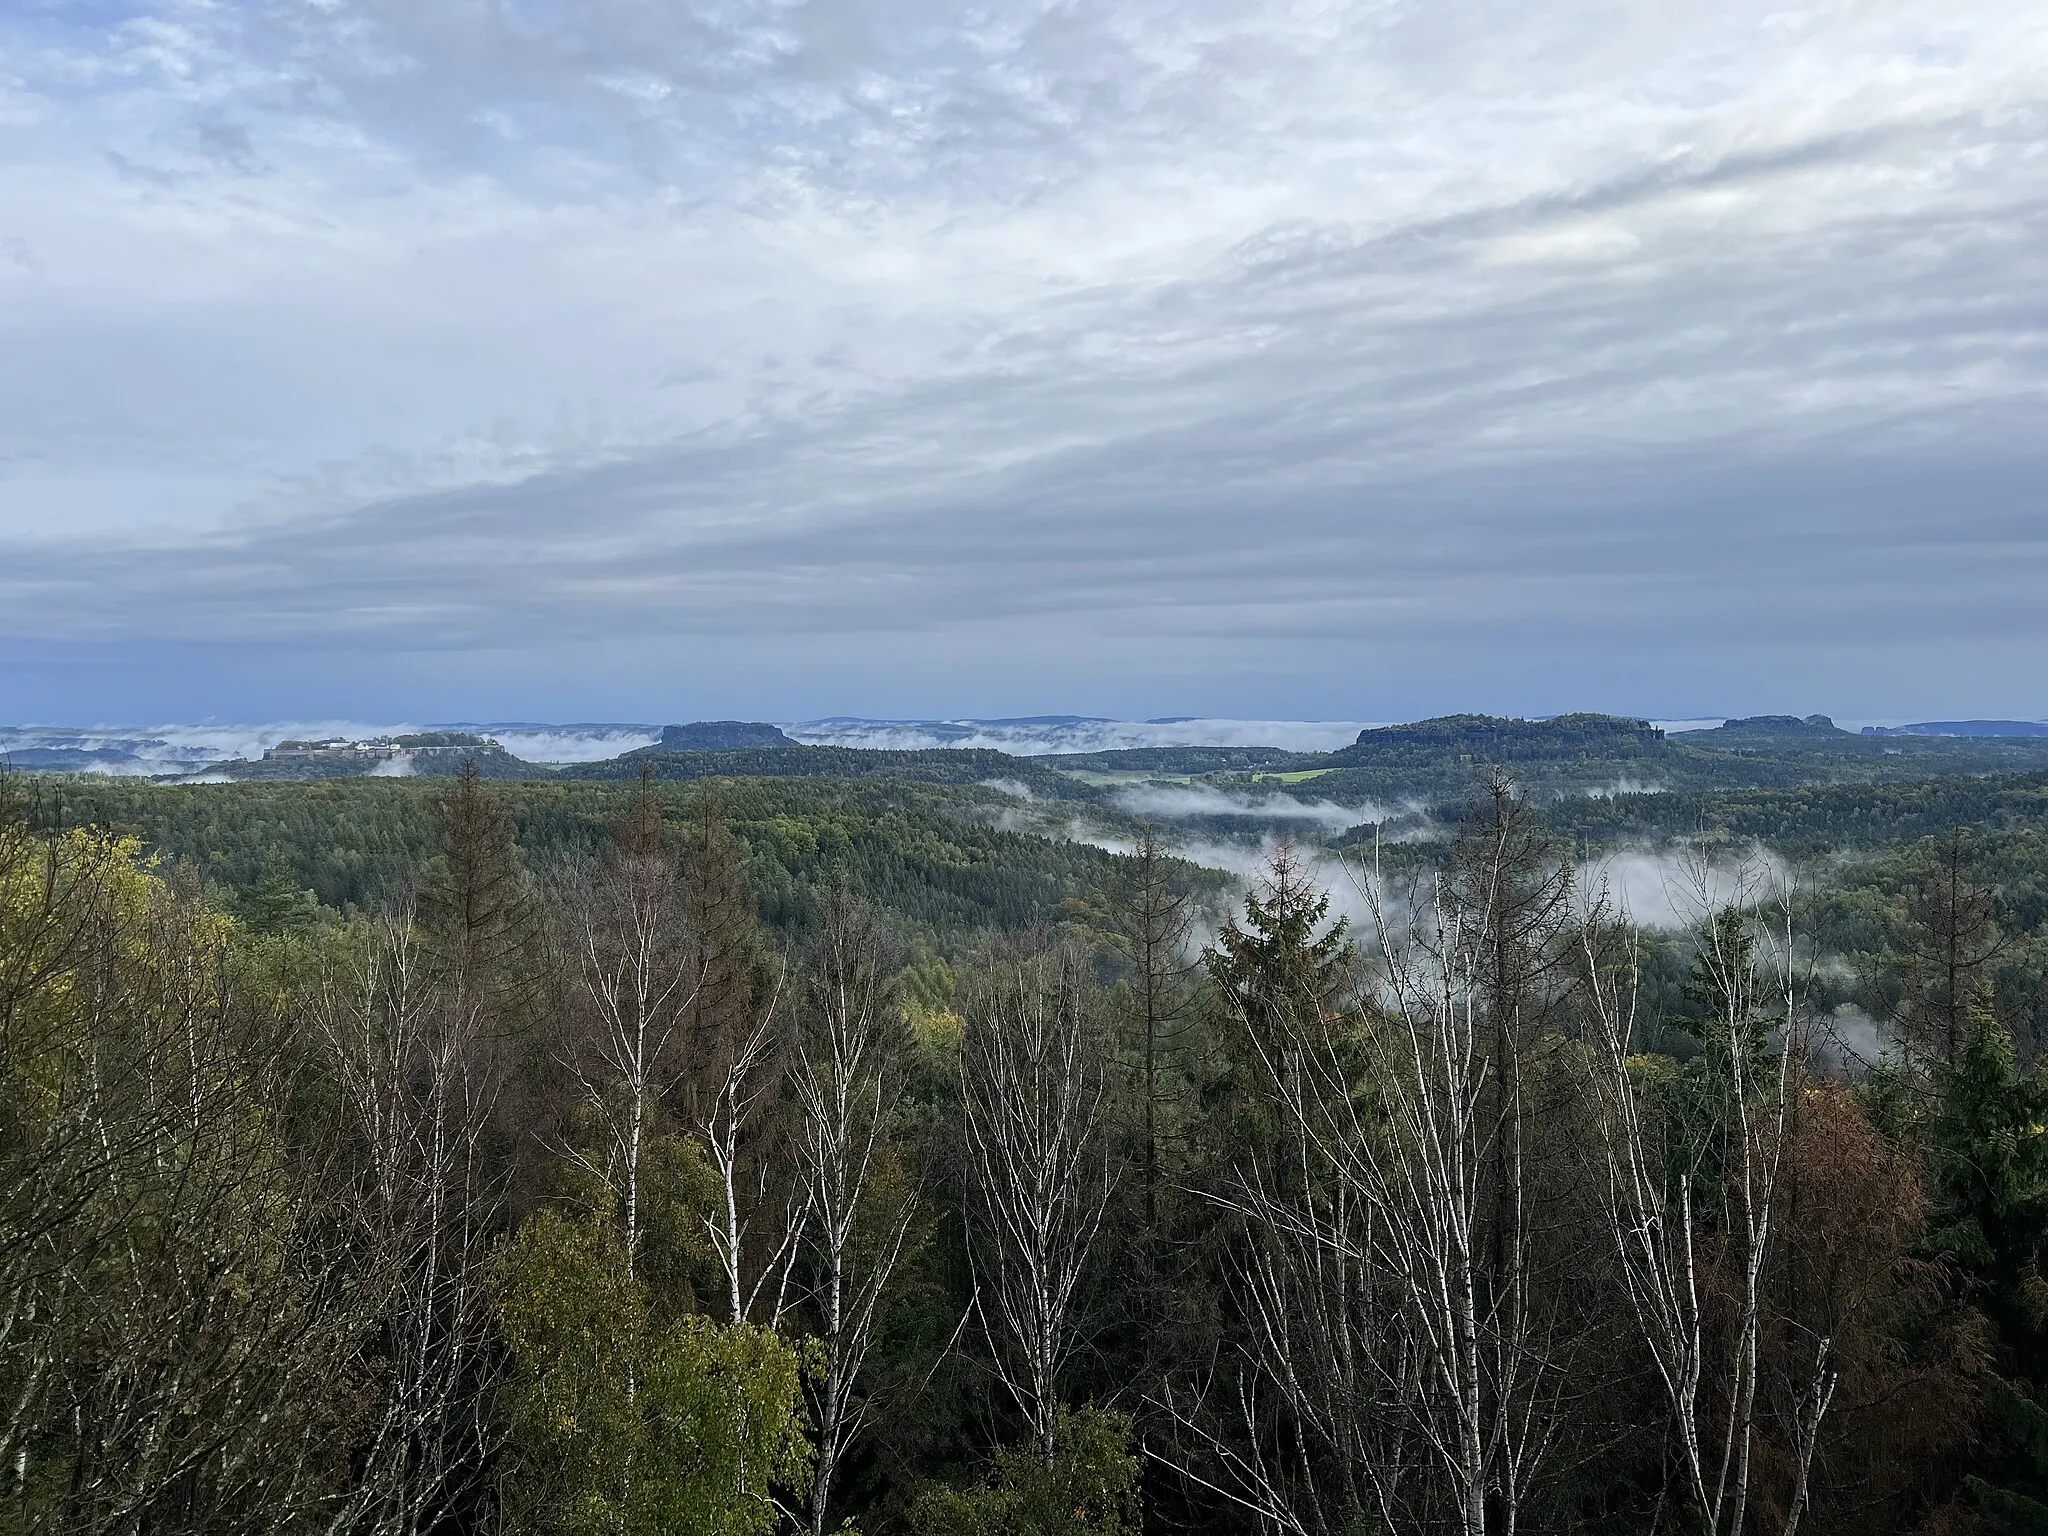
1177	802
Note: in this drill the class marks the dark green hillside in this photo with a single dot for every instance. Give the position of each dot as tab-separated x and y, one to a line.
1178	760
1816	744
1440	761
1444	759
1488	738
937	765
931	852
1814	818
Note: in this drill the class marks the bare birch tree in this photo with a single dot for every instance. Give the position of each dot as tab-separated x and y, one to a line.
1694	1202
858	1209
1415	1372
628	925
1033	1088
758	1223
409	1055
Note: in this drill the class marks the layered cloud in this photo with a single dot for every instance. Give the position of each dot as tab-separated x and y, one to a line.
1056	733
1235	357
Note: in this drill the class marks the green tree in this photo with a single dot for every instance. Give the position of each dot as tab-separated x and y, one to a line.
475	906
628	1423
1286	958
1090	1489
1146	914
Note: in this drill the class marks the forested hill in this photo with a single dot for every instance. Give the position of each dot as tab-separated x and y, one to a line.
1442	760
1813	819
428	754
936	854
936	765
497	1157
1488	738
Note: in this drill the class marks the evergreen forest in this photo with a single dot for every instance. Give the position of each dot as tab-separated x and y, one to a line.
755	1139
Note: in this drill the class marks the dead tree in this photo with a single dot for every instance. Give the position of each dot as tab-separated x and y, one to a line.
1033	1087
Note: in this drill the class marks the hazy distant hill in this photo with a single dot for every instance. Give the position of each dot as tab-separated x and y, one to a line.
1174	760
1443	759
716	736
937	765
1961	728
428	754
1805	745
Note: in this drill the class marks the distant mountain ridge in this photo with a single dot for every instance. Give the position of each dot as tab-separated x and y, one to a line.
1962	728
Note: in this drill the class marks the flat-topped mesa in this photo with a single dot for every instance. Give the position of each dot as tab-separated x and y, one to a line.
1784	725
1507	740
720	736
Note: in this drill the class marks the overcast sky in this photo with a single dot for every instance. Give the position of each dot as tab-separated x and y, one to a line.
649	360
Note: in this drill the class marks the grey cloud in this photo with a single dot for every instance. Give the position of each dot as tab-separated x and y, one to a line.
1174	334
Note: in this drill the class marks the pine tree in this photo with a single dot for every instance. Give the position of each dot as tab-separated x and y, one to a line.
1990	1150
1286	961
724	945
1148	916
474	904
1724	991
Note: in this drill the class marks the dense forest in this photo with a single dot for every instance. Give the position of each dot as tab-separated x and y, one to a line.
692	1145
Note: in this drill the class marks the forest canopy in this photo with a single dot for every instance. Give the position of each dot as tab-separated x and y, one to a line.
739	1154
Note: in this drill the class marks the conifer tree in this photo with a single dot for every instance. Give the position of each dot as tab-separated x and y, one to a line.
475	906
724	949
1285	959
1947	949
1148	917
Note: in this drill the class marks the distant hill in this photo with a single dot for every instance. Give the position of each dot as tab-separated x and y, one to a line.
426	754
1961	728
1494	739
1175	760
1802	746
717	736
936	765
1441	760
66	759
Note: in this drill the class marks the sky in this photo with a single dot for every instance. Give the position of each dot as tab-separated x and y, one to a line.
630	359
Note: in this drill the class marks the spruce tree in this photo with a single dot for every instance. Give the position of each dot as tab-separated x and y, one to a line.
1285	962
474	904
